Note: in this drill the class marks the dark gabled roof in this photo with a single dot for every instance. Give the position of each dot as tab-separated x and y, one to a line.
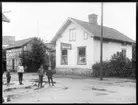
95	31
4	18
19	43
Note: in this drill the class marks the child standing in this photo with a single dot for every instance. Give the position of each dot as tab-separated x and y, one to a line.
8	75
20	71
40	74
50	76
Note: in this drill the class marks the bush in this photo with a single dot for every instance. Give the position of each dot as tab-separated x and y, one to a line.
117	66
96	69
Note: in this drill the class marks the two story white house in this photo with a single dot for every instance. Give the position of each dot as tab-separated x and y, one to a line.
78	45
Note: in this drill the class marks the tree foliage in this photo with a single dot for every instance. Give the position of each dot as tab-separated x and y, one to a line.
36	55
118	66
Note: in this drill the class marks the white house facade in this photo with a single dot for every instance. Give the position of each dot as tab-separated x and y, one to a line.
78	48
110	48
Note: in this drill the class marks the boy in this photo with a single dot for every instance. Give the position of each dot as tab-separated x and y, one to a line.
50	76
20	71
8	75
40	74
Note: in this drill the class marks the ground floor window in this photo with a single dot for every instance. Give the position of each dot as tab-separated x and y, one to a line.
124	52
64	58
81	55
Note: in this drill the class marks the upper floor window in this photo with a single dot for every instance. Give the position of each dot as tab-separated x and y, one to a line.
72	34
85	36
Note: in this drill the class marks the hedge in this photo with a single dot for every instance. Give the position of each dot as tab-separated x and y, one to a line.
118	66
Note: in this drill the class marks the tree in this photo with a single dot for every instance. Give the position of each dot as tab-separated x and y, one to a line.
36	56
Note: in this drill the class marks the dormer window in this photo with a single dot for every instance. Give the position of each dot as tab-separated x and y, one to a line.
85	36
72	34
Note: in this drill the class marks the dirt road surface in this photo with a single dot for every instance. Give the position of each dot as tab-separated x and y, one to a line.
70	89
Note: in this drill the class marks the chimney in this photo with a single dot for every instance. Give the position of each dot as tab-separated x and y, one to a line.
92	18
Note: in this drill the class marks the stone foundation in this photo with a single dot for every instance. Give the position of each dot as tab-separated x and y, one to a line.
74	71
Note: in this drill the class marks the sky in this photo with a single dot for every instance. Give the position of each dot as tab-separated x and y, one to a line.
44	19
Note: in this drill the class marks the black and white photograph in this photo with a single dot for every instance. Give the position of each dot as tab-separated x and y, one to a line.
68	52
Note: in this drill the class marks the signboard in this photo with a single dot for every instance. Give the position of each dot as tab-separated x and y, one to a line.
65	46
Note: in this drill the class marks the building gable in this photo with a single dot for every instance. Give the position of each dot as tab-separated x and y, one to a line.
95	31
65	25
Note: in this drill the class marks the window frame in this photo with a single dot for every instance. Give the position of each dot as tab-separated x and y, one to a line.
85	33
124	49
78	55
72	37
62	56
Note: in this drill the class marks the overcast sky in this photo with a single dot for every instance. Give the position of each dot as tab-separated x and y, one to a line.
44	19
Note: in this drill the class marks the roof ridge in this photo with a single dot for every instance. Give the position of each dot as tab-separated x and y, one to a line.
25	39
20	43
108	28
78	19
94	29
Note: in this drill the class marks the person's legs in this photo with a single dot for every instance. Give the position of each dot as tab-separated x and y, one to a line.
21	78
52	81
8	80
19	75
48	80
41	81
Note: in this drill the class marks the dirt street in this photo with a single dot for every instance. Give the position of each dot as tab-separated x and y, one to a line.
70	89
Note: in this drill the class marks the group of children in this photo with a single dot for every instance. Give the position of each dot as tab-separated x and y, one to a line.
40	72
20	71
49	74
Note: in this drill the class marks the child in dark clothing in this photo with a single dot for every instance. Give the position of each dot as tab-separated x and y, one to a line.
40	74
50	76
8	75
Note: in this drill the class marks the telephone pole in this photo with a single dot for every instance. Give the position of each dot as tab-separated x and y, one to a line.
101	47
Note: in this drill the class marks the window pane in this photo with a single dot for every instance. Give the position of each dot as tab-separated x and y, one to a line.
81	51
82	60
81	56
72	34
85	35
124	52
64	57
64	52
64	60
